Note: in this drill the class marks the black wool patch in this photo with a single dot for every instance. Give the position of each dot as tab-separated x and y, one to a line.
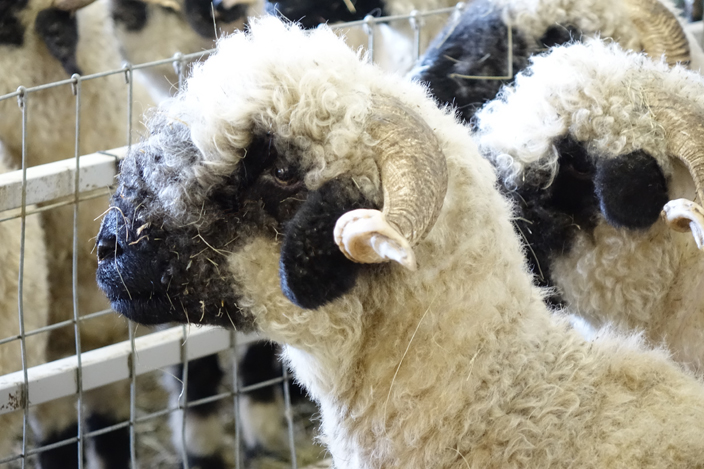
558	35
548	217
214	461
63	456
313	269
59	31
204	378
475	46
199	14
311	13
11	28
632	190
133	14
259	364
113	448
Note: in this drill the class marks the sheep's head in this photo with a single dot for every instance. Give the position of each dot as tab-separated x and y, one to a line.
53	21
311	13
208	18
268	153
495	38
590	135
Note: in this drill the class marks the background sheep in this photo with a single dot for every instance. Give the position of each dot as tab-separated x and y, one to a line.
393	47
35	301
259	167
152	30
495	38
588	163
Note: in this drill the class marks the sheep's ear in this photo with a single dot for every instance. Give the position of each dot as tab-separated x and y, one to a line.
631	189
313	269
59	30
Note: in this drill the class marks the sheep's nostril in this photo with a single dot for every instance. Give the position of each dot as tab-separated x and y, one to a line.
108	247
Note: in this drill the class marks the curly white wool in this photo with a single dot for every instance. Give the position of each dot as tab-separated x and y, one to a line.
459	364
647	280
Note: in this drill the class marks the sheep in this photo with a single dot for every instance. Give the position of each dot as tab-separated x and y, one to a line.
394	48
495	38
150	30
580	145
259	190
49	41
35	301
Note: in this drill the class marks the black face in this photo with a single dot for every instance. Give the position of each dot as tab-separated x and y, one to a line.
477	46
311	13
11	29
130	13
59	31
155	269
199	14
629	191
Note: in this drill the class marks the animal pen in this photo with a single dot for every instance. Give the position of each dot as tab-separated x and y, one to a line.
146	355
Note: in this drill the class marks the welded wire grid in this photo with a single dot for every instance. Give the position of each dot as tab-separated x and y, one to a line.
148	413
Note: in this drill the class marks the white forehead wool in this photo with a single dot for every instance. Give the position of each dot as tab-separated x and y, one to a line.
593	91
306	90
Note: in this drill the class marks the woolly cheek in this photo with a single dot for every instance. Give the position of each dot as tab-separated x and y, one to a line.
255	271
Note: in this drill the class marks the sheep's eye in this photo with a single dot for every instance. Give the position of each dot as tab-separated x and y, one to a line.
285	175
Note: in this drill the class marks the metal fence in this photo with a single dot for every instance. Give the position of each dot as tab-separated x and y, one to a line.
43	188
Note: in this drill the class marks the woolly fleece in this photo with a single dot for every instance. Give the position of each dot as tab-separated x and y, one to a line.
637	280
459	364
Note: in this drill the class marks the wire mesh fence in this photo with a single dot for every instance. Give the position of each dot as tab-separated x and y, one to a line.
33	378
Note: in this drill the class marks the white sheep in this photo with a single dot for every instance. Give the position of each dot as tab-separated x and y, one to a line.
273	162
150	30
393	42
495	38
35	300
582	144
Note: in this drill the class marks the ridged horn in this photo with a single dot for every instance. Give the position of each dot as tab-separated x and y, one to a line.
684	134
414	182
660	31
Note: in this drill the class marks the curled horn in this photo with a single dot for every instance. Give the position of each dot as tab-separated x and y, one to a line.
660	31
71	5
684	134
414	180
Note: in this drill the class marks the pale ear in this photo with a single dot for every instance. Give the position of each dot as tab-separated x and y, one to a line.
71	5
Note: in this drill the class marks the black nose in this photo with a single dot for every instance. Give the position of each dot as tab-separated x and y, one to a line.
108	247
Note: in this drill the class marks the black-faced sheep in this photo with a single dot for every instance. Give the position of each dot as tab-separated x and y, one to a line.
394	42
495	38
150	30
586	144
276	158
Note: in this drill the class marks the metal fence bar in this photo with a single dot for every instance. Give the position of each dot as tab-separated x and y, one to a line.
22	101
74	272
289	416
236	401
111	364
